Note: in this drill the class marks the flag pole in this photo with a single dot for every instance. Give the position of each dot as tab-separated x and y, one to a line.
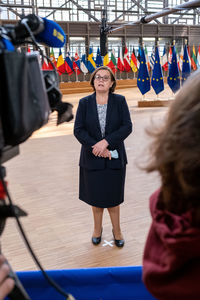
76	73
143	98
115	71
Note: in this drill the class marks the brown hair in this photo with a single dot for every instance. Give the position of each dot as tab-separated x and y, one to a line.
112	89
176	151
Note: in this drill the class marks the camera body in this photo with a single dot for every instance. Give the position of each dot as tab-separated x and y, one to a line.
27	94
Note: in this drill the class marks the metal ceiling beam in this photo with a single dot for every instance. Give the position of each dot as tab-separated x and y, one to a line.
15	5
54	8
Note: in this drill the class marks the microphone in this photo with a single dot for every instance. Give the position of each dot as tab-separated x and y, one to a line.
45	31
52	35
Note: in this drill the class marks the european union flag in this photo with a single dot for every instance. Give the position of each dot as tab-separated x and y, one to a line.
99	60
91	64
186	69
157	75
173	78
143	81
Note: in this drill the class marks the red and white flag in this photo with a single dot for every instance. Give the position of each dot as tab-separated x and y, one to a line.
198	57
127	65
164	60
170	55
120	63
181	58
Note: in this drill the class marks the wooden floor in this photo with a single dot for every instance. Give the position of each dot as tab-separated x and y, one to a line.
43	180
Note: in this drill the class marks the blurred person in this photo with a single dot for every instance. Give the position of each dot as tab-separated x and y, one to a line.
6	283
171	261
101	126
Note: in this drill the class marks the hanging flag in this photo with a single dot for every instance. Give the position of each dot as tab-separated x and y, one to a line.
60	64
147	59
68	64
143	81
186	68
194	59
120	63
91	64
198	57
152	58
106	59
173	78
113	62
76	63
164	60
99	60
133	61
178	60
189	55
84	64
157	81
52	58
181	58
170	55
127	65
45	66
138	58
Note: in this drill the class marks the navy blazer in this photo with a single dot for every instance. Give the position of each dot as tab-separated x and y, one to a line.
88	133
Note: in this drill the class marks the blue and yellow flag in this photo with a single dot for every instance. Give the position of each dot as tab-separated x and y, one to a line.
173	78
91	64
143	80
186	69
157	75
99	60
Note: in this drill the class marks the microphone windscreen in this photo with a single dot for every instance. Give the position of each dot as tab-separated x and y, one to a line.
52	35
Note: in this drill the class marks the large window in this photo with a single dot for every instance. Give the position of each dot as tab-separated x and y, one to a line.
122	10
77	44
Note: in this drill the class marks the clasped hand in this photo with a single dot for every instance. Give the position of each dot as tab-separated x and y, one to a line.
100	149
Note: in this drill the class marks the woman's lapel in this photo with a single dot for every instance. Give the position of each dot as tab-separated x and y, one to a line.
109	108
95	112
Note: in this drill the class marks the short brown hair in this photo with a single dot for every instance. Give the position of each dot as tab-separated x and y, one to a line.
176	150
112	89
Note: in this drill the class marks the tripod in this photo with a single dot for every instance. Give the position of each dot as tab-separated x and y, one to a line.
7	211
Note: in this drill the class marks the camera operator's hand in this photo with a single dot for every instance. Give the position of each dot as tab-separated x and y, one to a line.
6	284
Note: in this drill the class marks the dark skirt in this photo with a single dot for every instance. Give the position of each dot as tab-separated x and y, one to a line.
102	188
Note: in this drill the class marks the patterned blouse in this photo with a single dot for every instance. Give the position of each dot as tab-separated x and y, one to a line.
102	109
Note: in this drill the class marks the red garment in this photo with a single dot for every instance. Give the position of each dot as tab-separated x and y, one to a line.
171	262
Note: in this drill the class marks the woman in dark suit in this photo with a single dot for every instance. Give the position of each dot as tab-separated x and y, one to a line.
101	126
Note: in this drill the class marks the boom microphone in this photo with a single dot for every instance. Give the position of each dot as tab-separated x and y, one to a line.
45	31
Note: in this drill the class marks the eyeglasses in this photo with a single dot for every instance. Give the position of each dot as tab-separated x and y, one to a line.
104	78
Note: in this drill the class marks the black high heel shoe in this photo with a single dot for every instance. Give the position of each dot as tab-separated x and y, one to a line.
118	243
97	240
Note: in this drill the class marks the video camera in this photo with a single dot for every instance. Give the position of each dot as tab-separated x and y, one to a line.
27	97
22	83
